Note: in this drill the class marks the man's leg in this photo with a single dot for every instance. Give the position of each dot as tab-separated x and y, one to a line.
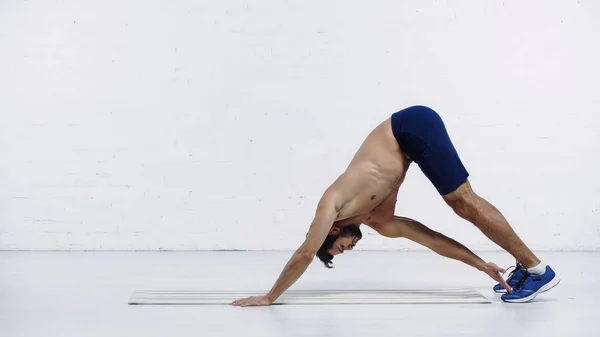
538	277
491	222
422	135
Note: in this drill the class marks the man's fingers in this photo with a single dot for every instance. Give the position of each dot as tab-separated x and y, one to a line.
243	302
496	268
239	302
505	285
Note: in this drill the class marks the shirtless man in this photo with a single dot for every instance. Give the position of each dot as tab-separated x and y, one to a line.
366	194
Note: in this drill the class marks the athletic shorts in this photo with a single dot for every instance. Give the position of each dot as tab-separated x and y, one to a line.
422	135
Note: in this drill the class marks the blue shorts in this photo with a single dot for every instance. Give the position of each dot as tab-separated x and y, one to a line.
422	135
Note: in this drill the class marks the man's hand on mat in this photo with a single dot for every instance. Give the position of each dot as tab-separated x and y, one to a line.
252	301
496	272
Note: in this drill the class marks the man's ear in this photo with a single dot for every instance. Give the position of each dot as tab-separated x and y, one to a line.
334	231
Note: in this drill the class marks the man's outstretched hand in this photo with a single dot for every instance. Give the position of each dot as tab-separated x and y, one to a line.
252	301
496	272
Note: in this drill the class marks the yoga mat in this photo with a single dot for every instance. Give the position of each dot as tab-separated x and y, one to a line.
294	297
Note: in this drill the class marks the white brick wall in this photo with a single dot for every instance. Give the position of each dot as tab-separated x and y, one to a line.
217	124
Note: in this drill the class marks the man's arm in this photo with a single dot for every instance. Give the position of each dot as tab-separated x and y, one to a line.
423	235
439	243
327	211
325	216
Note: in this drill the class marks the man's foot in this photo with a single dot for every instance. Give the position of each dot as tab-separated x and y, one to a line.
515	276
531	285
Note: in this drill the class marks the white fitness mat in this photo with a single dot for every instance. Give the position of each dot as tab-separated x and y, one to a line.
382	296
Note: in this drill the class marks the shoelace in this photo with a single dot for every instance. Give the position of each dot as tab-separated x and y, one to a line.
512	272
523	279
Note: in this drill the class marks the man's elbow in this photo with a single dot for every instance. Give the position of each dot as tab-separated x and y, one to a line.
306	254
436	241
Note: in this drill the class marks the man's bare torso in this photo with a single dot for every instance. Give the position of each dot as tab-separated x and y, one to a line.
375	172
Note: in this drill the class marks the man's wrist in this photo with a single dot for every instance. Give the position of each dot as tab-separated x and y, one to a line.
479	264
270	297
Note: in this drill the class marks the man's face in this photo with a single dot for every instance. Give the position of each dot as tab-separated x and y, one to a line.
343	243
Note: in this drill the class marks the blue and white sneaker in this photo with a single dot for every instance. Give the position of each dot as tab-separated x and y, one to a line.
515	276
531	285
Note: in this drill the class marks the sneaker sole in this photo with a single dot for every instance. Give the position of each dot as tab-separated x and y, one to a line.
555	281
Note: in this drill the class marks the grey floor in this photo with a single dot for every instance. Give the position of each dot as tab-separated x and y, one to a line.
46	294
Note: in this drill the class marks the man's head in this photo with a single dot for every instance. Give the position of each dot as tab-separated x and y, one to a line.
338	240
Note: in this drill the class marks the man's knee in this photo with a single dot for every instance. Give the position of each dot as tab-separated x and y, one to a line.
464	207
464	202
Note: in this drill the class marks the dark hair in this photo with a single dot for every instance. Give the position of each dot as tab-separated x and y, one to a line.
323	254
